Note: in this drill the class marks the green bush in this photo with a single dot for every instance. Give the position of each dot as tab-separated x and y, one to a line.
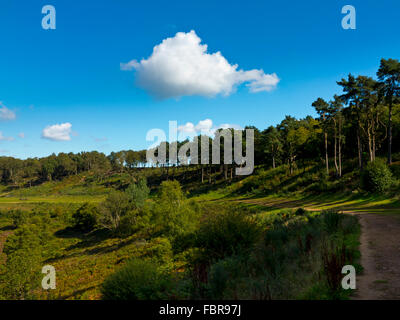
24	259
331	219
395	168
85	218
138	193
227	233
160	249
276	236
19	218
113	209
300	212
134	221
138	280
173	214
377	176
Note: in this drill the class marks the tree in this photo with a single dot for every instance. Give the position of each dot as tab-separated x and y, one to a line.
351	96
173	214
389	75
336	107
113	209
273	143
322	108
138	193
85	218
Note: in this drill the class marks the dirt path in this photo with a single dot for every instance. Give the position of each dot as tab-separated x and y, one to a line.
380	257
380	250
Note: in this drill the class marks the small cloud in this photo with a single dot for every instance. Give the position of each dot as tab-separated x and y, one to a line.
129	66
182	66
21	135
58	132
5	113
100	139
204	127
3	138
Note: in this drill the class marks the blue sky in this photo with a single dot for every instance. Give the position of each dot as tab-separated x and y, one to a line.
72	74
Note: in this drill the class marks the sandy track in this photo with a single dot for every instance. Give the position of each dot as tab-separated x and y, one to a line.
380	257
380	251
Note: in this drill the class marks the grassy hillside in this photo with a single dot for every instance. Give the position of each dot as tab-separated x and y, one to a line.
93	264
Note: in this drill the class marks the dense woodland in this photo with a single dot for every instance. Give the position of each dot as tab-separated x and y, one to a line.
362	121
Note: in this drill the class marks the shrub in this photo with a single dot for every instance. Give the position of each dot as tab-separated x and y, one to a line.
276	236
174	215
377	176
134	221
19	218
138	280
334	258
331	219
113	209
85	218
300	212
395	168
160	249
24	259
138	193
227	233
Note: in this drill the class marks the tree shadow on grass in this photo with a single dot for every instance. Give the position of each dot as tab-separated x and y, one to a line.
7	228
111	248
76	293
87	239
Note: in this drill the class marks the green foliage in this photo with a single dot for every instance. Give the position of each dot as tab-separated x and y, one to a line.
85	218
24	252
172	213
332	220
160	249
113	209
227	233
19	218
395	168
377	176
138	193
133	221
138	280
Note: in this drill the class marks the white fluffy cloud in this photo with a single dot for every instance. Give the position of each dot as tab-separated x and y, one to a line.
58	132
205	127
181	66
3	138
5	113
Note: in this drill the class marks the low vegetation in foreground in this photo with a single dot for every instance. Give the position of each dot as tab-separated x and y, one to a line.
171	247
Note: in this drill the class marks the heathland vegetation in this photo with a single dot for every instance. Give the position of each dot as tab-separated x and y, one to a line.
116	227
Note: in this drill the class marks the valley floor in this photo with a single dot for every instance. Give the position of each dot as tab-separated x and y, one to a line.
380	245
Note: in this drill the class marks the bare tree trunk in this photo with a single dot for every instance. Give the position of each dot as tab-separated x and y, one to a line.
359	146
390	134
370	145
326	153
340	148
335	153
273	161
